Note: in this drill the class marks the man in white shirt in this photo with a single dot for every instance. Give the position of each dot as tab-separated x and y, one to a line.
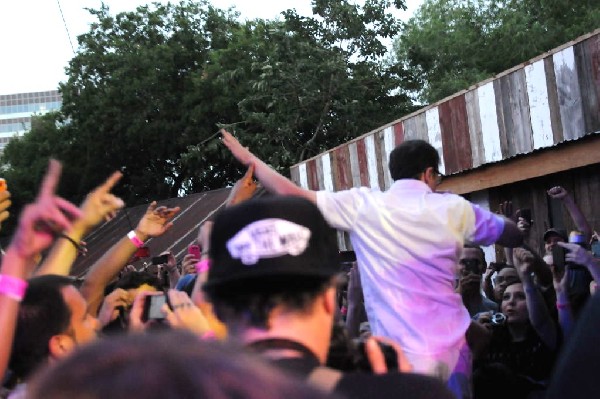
408	241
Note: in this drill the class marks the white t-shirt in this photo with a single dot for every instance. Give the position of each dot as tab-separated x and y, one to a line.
408	241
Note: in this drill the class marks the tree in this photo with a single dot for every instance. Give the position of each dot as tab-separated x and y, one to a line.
148	90
452	44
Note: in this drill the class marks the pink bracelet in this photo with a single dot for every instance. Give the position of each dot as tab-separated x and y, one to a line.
208	335
203	266
562	305
134	239
13	287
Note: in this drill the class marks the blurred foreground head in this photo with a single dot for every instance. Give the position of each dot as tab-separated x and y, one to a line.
170	364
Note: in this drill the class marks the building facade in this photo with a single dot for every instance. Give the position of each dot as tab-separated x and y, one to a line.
16	111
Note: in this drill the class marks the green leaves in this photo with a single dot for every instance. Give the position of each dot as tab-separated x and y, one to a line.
452	44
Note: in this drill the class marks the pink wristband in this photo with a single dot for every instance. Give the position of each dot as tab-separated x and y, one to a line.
13	287
562	305
208	335
135	240
203	266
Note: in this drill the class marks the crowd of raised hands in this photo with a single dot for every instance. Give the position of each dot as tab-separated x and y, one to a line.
537	297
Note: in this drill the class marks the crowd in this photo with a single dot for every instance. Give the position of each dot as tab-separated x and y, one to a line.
263	306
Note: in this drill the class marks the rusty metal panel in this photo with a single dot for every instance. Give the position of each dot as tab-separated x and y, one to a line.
295	174
587	57
398	133
555	119
311	170
362	163
354	164
415	128
475	133
489	122
539	107
569	94
454	128
343	175
380	156
513	114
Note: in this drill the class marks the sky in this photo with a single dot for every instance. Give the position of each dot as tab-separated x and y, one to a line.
35	47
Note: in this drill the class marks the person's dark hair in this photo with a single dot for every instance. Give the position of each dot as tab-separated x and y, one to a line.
237	305
478	248
134	280
411	158
172	364
43	313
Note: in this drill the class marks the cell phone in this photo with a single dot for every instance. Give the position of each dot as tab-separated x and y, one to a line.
558	258
152	307
160	260
3	185
194	250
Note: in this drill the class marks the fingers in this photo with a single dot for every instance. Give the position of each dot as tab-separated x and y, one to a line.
66	206
375	356
249	172
4	215
51	178
151	207
109	183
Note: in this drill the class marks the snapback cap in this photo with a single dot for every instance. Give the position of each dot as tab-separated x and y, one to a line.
279	237
558	232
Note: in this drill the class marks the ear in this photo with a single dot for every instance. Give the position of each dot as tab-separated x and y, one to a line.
60	345
429	175
329	300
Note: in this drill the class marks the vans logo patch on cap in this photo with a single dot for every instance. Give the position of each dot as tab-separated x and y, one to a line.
268	238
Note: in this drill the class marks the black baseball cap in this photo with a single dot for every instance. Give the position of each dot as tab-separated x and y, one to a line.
261	240
557	232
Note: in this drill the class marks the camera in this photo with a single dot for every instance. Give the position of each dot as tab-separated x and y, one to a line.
498	319
389	354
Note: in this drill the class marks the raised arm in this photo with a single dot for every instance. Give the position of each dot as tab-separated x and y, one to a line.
37	226
580	221
538	311
99	205
155	222
271	179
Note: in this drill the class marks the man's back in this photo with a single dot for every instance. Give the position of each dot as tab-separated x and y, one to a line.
408	241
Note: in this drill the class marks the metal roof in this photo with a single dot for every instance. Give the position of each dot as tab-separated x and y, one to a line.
195	209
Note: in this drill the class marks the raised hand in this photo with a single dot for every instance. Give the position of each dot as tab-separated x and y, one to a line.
558	192
184	314
100	204
48	216
524	261
112	302
156	221
4	205
240	152
576	254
